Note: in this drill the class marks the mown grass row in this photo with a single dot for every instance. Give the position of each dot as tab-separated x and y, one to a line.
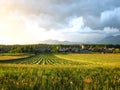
40	77
44	59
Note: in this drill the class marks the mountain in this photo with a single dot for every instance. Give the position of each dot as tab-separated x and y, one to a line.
110	40
58	42
106	40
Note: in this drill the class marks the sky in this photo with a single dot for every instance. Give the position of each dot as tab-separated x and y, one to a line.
31	21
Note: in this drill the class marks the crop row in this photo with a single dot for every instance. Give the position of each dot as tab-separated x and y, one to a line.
42	59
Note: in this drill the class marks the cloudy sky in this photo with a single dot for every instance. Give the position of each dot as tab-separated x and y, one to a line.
31	21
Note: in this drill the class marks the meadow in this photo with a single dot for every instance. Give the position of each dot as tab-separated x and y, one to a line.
96	59
61	72
10	56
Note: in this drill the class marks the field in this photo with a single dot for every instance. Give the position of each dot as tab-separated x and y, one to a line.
13	56
61	72
96	59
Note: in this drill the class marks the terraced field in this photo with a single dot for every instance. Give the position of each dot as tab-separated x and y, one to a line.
43	59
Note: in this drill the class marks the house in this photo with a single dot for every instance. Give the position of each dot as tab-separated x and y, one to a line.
111	50
42	50
83	46
75	49
108	50
62	50
84	51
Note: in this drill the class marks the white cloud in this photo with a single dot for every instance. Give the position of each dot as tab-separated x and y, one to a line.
109	30
17	28
110	14
110	18
74	25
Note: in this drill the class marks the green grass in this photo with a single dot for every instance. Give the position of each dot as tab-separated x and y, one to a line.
12	56
37	77
69	59
97	59
42	59
62	72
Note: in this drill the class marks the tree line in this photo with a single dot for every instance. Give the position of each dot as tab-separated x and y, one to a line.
37	48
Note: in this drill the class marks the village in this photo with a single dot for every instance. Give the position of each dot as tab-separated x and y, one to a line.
43	48
82	49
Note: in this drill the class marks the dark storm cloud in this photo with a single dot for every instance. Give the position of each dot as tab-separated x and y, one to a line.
58	12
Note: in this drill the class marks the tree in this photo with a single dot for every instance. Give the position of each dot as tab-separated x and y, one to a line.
16	50
117	50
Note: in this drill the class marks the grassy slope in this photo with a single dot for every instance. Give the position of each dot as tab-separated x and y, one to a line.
97	59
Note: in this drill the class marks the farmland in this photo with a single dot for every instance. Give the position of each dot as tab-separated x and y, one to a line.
49	59
61	72
65	59
13	56
96	59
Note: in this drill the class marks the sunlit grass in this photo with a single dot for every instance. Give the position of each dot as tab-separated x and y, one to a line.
11	56
103	59
101	72
58	77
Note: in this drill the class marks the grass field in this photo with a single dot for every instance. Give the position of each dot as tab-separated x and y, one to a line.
61	72
96	59
11	57
7	56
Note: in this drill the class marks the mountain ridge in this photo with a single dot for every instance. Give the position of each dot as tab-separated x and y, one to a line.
107	40
50	41
110	40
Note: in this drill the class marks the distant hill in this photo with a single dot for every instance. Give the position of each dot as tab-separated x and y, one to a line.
110	40
106	40
58	42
